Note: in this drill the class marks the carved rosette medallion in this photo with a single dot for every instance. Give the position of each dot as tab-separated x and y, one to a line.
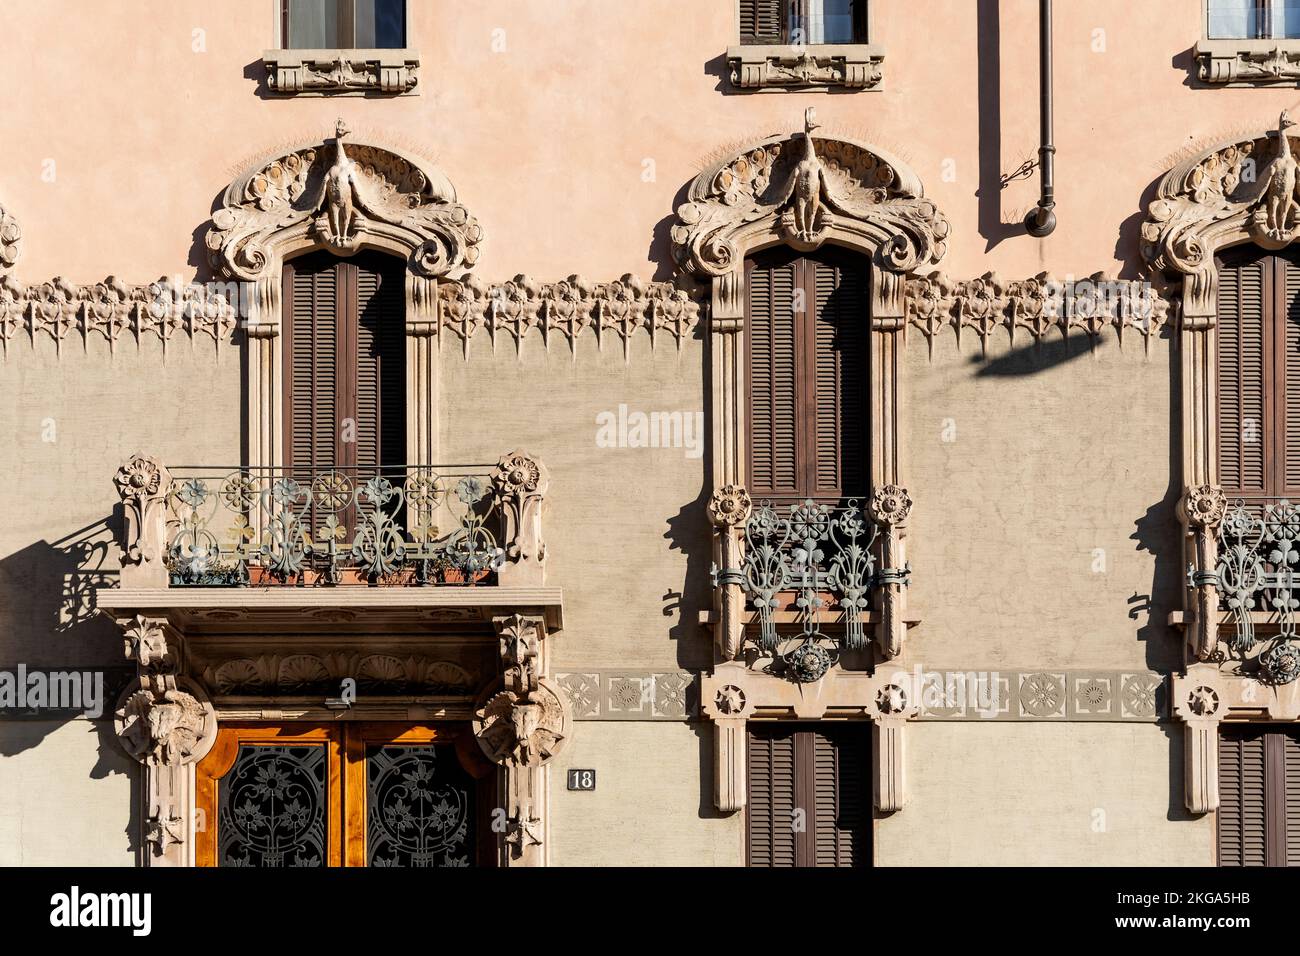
890	506
730	506
1205	506
1203	701
730	700
11	237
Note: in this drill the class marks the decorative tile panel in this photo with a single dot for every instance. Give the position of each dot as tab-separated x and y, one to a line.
631	695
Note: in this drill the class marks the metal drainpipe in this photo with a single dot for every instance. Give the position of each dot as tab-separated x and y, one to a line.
1041	220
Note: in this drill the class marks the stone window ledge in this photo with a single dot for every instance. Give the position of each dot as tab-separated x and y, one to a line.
852	66
1269	62
322	72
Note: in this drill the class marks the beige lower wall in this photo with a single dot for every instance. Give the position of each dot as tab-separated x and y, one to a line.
1072	794
65	795
653	803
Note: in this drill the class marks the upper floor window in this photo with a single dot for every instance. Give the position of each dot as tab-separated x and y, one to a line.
1259	373
1252	19
807	326
344	363
801	22
343	24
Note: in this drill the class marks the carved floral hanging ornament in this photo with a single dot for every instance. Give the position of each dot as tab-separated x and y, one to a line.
1244	190
10	240
342	195
805	190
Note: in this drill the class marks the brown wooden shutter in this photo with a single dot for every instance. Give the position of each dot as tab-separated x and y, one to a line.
1291	777
314	314
1244	279
1288	342
381	354
841	431
761	21
774	405
345	353
1242	838
841	782
808	333
770	809
822	771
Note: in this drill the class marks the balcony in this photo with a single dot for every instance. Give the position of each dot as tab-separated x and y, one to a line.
800	584
430	542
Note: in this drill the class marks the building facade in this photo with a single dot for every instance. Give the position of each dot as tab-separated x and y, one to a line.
551	432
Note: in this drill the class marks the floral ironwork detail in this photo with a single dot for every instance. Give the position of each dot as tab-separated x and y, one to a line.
1259	558
419	808
810	559
272	808
418	525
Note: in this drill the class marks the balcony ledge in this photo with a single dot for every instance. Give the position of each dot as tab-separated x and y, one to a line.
200	606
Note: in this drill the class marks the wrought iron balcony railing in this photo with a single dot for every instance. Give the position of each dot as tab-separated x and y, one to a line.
811	575
1258	570
412	525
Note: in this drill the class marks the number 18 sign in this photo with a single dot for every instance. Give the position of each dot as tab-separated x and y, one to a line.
582	780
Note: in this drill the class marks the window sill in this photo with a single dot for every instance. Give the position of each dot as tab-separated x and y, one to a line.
325	72
1248	62
851	66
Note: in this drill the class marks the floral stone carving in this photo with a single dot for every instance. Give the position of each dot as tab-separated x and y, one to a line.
164	728
523	731
10	240
807	190
344	195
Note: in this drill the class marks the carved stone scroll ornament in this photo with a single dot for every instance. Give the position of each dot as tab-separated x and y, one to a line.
11	237
341	71
521	726
857	66
166	723
520	483
890	507
1203	509
341	195
729	509
1221	63
806	190
143	484
1240	191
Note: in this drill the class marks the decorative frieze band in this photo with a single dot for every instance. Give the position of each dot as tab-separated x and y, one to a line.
112	308
1136	696
341	71
1034	307
566	310
1229	64
853	66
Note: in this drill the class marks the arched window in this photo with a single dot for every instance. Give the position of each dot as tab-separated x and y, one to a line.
345	356
1259	372
807	329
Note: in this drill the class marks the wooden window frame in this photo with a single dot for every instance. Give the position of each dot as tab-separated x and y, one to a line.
1275	796
347	334
1273	429
347	790
805	793
796	11
347	25
805	338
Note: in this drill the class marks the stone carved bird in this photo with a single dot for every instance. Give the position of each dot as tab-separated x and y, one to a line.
1275	188
340	187
808	180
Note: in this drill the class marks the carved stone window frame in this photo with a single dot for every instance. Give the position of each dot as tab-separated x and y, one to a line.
354	71
869	202
805	67
1203	206
282	207
1245	62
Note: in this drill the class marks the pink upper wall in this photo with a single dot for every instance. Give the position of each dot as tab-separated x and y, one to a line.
545	142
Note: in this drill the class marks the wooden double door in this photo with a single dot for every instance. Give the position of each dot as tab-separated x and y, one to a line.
344	794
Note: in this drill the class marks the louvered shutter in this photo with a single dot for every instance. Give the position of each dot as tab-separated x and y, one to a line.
841	780
840	366
313	361
381	353
1291	777
1242	825
773	358
761	21
1242	369
1288	341
770	809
